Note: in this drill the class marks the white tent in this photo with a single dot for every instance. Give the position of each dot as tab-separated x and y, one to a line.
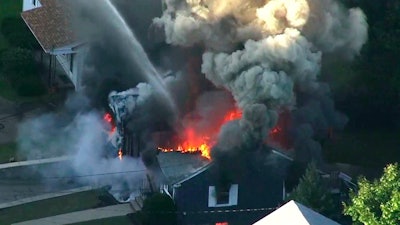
295	213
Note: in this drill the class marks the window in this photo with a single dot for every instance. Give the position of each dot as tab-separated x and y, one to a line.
34	2
71	63
223	196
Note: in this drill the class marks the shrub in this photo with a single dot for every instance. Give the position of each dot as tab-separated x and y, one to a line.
30	86
158	209
18	59
17	63
17	33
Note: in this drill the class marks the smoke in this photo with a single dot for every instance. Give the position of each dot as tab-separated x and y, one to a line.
268	53
81	134
334	29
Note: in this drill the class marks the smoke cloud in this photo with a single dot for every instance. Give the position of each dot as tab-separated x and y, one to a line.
267	53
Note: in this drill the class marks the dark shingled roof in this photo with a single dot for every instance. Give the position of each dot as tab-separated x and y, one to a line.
50	25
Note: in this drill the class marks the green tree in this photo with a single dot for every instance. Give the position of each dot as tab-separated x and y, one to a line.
18	66
159	209
314	193
377	202
17	33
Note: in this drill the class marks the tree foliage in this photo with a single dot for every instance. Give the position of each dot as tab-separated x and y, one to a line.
313	193
18	66
159	209
17	33
377	202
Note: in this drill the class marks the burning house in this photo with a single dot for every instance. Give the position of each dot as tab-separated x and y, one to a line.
245	78
246	193
261	61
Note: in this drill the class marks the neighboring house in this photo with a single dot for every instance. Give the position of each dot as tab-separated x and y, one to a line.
49	22
195	186
337	182
295	213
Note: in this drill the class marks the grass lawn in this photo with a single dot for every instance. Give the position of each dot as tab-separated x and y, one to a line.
365	148
50	207
8	8
120	220
7	151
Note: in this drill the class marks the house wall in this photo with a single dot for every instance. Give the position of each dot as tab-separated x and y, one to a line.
256	189
74	73
30	4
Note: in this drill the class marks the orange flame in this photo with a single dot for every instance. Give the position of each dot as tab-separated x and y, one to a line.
195	142
108	118
120	154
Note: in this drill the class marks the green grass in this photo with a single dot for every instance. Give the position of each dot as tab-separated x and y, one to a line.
8	8
7	151
120	220
50	207
365	148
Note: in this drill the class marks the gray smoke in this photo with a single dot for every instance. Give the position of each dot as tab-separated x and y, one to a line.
268	55
334	29
111	62
81	134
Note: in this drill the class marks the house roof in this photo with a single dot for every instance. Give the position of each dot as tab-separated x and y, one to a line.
178	167
295	213
50	25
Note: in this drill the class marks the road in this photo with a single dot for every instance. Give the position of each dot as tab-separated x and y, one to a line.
12	190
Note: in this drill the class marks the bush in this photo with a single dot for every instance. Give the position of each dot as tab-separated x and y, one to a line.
17	33
158	209
30	86
18	60
17	63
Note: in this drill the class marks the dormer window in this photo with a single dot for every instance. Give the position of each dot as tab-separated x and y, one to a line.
222	196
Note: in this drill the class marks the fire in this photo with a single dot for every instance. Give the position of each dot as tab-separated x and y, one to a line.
233	115
109	119
197	142
275	130
202	143
120	154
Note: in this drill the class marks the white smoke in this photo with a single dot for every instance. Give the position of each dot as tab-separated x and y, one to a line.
82	135
264	50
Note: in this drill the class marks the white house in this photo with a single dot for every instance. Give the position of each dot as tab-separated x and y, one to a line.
295	213
49	22
30	4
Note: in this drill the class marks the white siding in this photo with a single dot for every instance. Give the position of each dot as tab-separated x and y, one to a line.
73	73
30	4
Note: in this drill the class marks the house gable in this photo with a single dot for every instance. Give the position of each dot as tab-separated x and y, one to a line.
258	188
299	214
30	4
49	23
